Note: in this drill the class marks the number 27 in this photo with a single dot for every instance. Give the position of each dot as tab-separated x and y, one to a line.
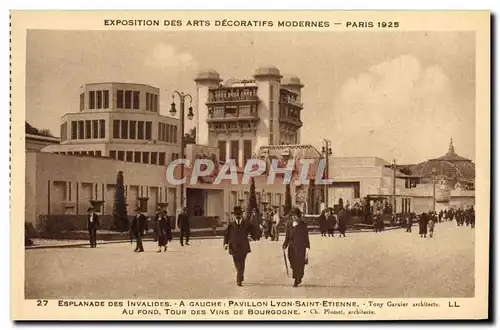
42	302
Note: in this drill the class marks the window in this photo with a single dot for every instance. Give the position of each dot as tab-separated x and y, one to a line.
95	129
235	149
88	126
137	157
98	153
247	150
136	100
175	134
124	129
169	133
155	103
102	128
121	155
130	156
148	130
222	150
74	130
132	129
154	156
161	158
116	129
119	99
128	99
82	101
81	129
145	157
112	154
99	99
140	130
64	131
160	127
148	104
91	100
174	156
106	99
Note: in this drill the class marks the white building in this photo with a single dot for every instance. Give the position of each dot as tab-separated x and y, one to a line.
121	121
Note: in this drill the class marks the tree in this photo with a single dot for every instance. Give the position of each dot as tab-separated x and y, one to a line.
190	138
252	198
119	206
405	170
288	199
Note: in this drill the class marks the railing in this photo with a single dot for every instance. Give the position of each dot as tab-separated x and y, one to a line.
292	101
241	113
236	94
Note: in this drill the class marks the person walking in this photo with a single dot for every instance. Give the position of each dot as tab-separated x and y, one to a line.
322	223
275	218
163	230
331	222
430	226
138	228
184	226
236	241
92	225
343	219
298	245
422	224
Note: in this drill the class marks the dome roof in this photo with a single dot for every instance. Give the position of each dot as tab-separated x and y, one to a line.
291	80
208	74
268	70
450	166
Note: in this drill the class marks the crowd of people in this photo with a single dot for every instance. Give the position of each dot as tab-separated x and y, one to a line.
240	230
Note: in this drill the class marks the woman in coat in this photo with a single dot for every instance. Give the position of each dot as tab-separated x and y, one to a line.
323	224
163	231
297	242
331	222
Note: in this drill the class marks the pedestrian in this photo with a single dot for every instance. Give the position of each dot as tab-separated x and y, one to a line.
430	226
343	219
409	222
297	242
236	241
256	221
275	223
331	222
163	230
322	223
138	228
422	225
184	226
92	225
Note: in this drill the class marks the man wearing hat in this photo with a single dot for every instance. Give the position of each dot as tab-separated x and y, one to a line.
183	224
92	225
137	228
297	242
237	242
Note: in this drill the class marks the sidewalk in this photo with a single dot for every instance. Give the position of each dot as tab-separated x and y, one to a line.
43	243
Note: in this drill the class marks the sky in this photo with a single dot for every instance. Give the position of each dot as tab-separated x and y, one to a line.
394	95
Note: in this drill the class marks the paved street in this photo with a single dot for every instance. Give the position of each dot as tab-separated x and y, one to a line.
389	264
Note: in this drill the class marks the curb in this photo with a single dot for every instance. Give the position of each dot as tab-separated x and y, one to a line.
74	245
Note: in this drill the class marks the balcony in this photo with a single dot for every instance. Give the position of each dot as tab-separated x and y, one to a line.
232	115
232	95
290	121
291	101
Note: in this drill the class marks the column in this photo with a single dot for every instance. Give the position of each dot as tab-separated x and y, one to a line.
240	153
228	150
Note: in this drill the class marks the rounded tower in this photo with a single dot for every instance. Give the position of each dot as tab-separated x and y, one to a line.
205	80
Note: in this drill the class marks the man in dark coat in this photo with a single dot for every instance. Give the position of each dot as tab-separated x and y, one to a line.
422	224
92	225
138	228
343	220
163	230
237	242
297	242
322	223
183	224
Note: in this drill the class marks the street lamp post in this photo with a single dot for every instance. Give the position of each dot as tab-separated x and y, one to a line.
327	151
434	189
182	96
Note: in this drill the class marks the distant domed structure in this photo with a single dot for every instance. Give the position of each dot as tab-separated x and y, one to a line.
450	168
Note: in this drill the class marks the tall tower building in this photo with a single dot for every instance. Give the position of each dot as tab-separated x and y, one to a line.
241	115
